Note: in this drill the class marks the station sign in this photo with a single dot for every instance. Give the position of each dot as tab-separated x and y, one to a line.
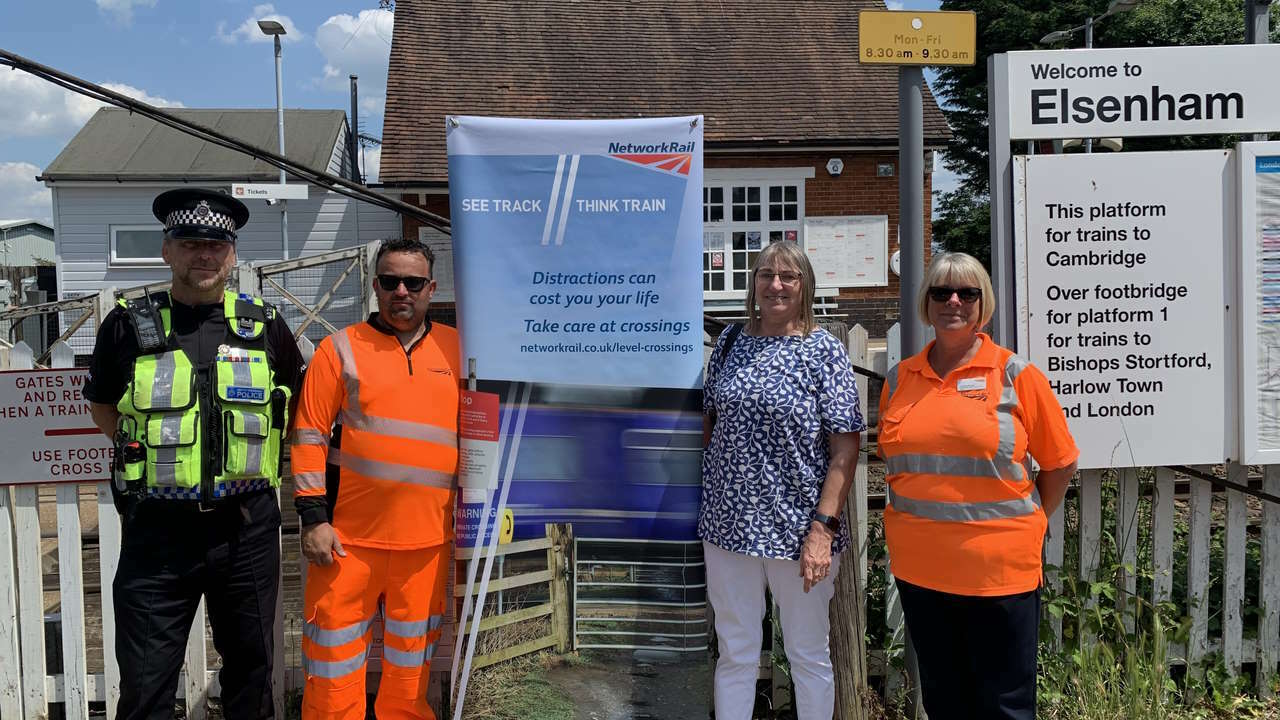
269	191
904	37
46	432
1126	92
1126	300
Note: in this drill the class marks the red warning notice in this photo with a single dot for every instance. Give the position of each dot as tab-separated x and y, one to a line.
479	419
46	431
477	445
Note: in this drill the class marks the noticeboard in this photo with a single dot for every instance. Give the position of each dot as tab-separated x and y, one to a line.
849	250
1259	166
46	432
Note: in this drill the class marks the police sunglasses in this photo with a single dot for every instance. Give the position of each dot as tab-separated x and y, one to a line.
966	294
412	283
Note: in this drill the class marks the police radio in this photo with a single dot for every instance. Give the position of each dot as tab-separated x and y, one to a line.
145	315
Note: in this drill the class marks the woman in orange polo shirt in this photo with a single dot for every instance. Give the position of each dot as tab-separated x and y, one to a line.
965	521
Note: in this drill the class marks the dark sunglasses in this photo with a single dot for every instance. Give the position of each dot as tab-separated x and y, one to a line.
412	283
943	294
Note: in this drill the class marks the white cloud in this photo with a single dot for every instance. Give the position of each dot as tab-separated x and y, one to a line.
248	30
31	107
359	45
21	196
371	163
894	4
122	10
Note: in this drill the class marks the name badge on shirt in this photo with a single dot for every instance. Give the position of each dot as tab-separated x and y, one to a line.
967	384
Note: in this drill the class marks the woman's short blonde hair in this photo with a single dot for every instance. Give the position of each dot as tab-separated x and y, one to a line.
789	254
964	270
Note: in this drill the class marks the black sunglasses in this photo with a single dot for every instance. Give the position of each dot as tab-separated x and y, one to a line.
943	294
412	283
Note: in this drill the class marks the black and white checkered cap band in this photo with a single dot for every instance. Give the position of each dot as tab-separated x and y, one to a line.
206	217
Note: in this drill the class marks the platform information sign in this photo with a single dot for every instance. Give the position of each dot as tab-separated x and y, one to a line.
903	37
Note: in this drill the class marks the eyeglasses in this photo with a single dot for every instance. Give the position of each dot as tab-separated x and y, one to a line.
943	294
412	283
787	278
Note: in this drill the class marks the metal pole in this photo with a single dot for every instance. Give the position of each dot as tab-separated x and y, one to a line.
1257	31
1000	155
284	204
1088	43
911	266
910	205
356	175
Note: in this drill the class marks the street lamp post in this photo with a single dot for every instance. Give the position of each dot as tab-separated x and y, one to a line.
1116	7
275	30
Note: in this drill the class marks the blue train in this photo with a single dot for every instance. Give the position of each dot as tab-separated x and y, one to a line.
616	463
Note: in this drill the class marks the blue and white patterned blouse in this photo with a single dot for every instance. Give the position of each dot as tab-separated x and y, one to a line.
776	398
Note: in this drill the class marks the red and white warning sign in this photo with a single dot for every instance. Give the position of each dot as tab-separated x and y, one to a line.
46	431
477	444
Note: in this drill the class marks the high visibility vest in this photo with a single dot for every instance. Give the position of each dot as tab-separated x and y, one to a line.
208	432
397	458
963	515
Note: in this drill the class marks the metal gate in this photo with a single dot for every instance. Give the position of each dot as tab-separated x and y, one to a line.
639	595
321	294
73	322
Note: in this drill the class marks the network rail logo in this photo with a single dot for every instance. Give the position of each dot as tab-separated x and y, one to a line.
675	157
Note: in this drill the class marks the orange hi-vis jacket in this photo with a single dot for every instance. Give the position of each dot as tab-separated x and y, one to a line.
397	412
964	516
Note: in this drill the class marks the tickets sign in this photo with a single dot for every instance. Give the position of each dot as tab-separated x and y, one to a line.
46	432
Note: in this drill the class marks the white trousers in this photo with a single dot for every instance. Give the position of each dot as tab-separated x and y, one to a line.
735	588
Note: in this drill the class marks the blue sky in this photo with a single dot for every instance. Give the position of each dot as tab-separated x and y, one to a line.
193	53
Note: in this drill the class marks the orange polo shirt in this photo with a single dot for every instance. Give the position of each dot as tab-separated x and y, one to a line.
964	516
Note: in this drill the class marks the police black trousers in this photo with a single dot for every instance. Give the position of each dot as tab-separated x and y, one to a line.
157	588
977	655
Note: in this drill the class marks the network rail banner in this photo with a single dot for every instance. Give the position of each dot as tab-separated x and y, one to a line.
577	255
573	243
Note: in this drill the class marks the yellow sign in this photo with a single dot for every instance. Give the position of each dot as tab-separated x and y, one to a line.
905	37
508	527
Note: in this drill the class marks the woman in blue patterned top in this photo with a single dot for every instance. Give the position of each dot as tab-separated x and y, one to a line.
782	418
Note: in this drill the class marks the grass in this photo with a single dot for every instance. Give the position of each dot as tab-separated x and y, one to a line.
517	690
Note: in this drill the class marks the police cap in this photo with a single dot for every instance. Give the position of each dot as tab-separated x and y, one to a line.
199	213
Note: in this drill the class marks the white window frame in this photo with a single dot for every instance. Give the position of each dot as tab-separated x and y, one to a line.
115	261
761	178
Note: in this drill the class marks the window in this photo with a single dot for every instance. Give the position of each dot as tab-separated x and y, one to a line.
136	244
764	206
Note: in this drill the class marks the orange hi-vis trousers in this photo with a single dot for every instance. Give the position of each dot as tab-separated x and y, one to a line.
340	603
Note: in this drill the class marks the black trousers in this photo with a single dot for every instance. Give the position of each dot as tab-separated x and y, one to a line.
977	655
171	556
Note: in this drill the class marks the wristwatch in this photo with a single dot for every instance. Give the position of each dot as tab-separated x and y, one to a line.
832	523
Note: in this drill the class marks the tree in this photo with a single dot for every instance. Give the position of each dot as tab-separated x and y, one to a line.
962	220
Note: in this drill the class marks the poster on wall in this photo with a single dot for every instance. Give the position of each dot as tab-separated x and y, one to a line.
1125	298
848	251
1259	165
577	253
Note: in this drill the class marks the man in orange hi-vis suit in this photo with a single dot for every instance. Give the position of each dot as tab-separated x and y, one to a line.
377	527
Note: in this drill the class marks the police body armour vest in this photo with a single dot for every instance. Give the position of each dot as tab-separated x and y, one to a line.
208	432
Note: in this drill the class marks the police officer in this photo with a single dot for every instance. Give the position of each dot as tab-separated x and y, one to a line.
194	387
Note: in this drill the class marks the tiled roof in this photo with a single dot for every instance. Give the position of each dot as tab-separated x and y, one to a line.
764	72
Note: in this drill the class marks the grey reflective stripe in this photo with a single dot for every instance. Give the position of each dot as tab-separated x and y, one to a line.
397	473
891	379
430	652
253	423
171	430
953	465
352	418
350	374
310	436
308	480
339	636
413	628
162	383
1014	367
965	512
241	374
409	659
1008	437
335	669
